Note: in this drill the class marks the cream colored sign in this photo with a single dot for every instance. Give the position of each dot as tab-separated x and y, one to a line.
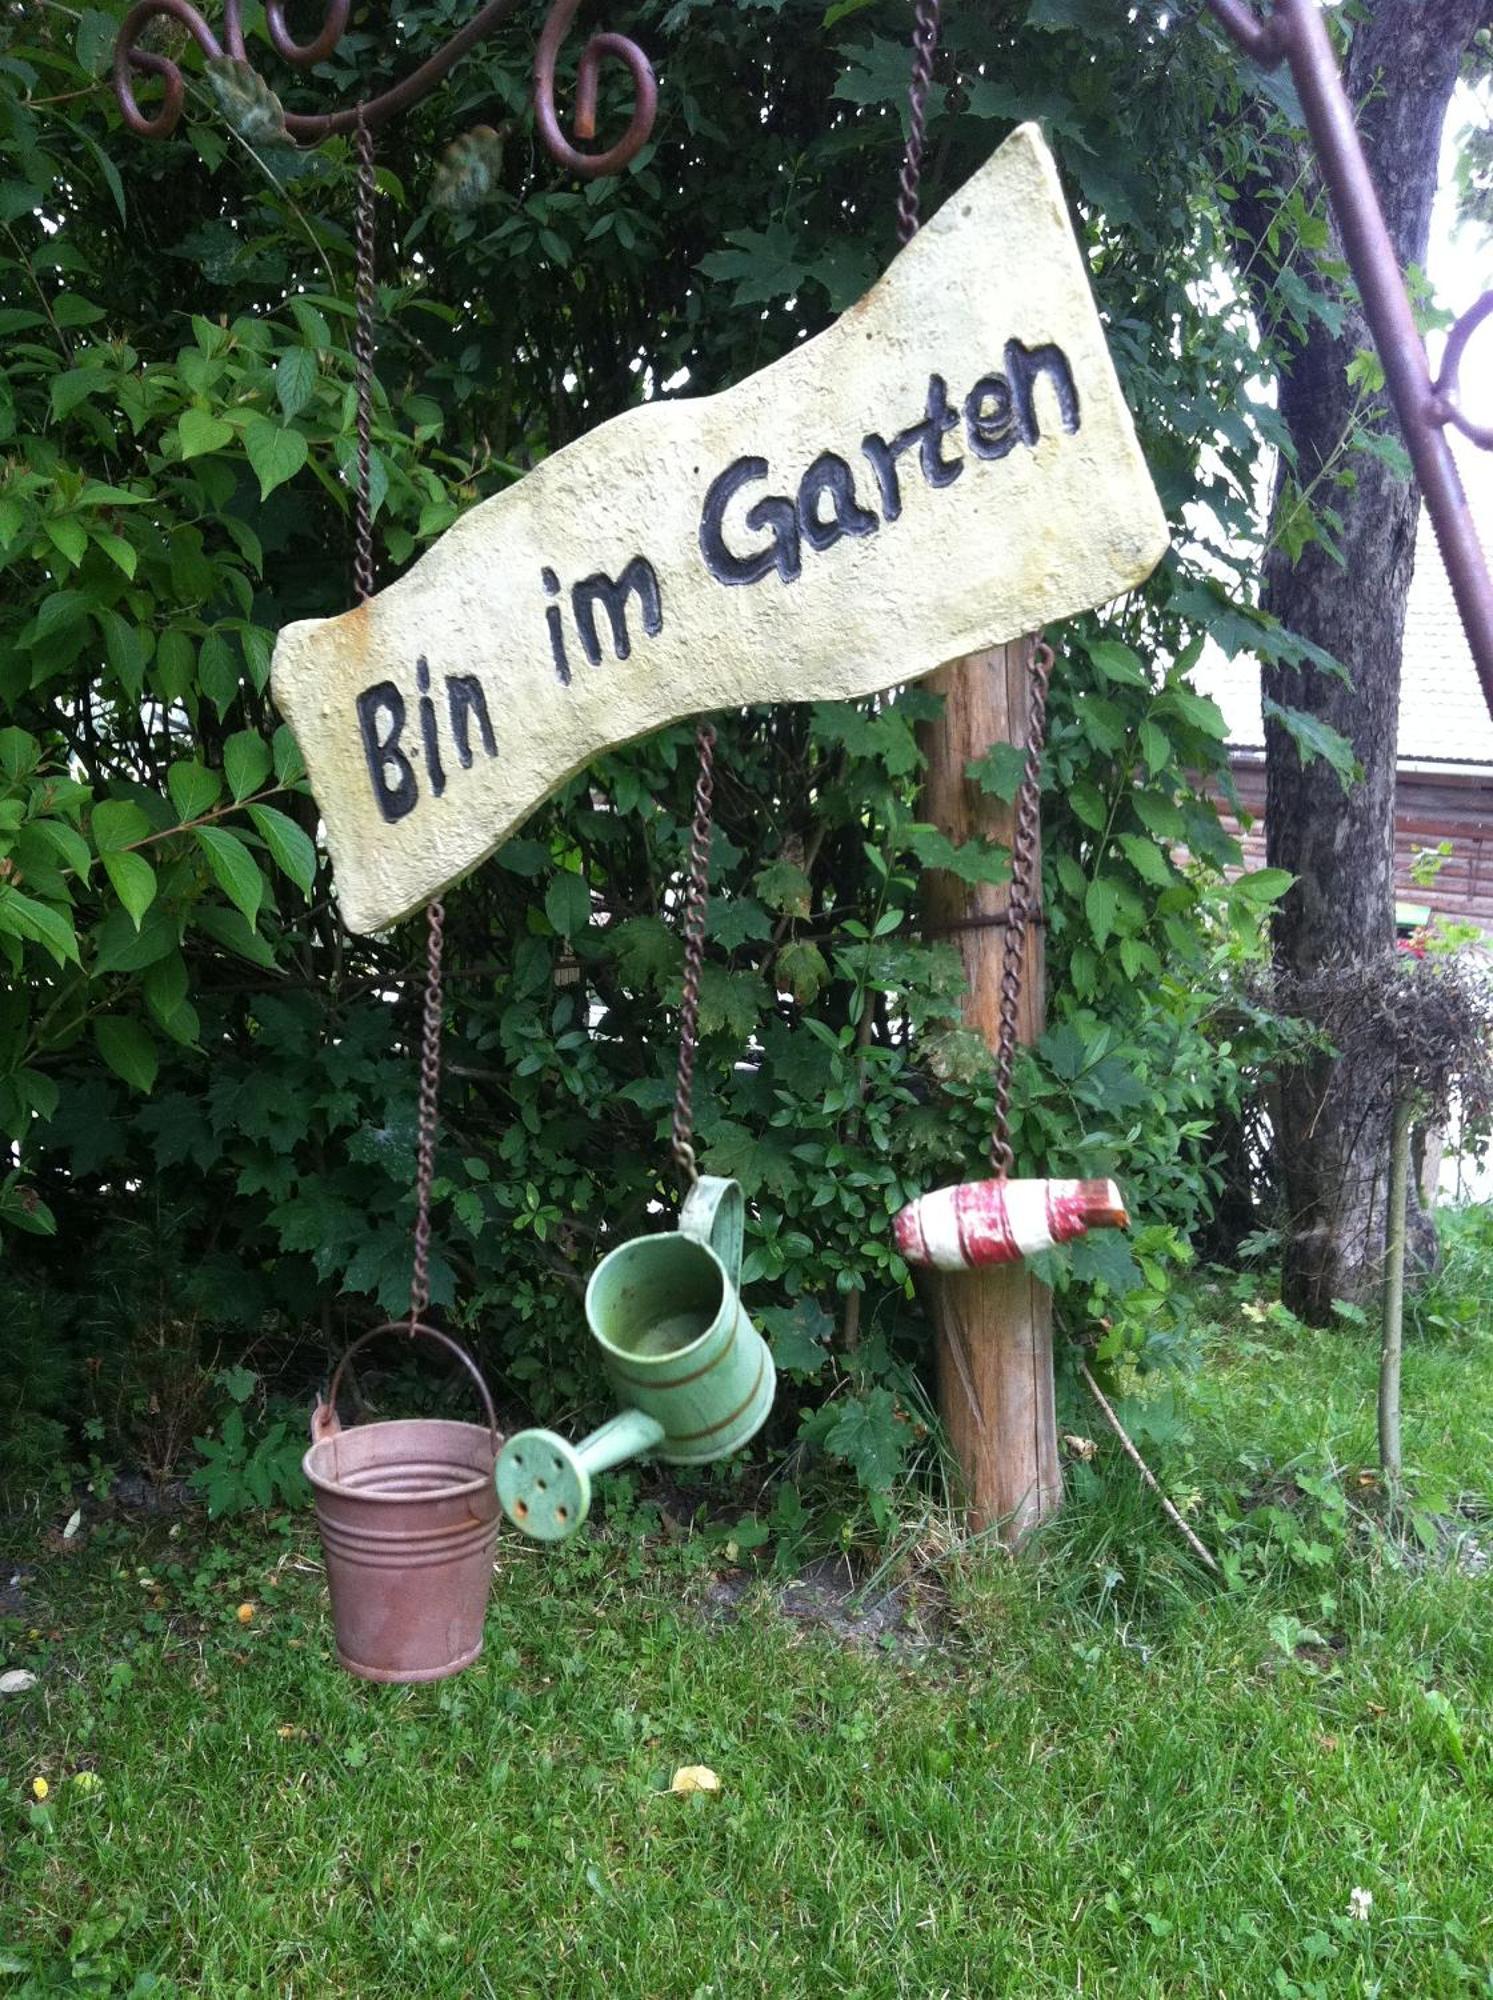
948	466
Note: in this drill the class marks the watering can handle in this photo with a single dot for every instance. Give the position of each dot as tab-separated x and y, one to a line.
714	1214
324	1422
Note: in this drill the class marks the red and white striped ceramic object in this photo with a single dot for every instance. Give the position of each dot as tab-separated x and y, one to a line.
998	1222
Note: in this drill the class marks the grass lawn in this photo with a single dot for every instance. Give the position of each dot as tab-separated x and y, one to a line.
1092	1772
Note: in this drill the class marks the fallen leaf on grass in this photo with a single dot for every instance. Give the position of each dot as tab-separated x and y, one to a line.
245	1614
695	1778
16	1681
39	1788
74	1522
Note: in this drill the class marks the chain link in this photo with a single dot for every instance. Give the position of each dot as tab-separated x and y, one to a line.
926	24
1021	898
432	1013
696	896
363	364
430	1085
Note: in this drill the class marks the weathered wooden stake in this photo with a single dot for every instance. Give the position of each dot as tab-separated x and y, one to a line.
994	1326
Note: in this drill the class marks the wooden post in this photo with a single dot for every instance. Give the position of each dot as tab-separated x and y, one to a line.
994	1326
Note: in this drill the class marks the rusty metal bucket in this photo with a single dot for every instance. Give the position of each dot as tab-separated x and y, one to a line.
408	1513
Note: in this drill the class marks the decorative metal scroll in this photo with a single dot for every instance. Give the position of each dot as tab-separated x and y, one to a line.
1296	34
132	60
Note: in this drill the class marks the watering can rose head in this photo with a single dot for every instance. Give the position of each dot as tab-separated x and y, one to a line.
998	1222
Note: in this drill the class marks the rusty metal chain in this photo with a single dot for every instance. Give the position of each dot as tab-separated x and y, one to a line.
926	24
1026	858
695	899
430	1085
432	1014
363	365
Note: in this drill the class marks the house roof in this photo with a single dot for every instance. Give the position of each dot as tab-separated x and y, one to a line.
1443	717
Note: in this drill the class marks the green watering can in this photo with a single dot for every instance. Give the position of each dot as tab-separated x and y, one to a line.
693	1374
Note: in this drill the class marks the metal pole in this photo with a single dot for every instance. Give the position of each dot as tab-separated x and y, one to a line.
1296	32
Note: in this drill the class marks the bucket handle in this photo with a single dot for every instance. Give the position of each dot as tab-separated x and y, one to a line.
324	1419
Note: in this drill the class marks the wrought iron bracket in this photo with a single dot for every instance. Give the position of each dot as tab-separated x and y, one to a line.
131	60
1296	34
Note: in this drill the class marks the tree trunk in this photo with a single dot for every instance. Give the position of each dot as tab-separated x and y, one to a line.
994	1326
1401	67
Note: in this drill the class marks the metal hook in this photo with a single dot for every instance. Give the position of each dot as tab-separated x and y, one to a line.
130	60
1446	408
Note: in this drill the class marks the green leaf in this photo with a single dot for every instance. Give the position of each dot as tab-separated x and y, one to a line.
567	904
798	1335
246	762
66	535
194	789
763	265
868	1435
1264	885
732	920
289	767
128	1048
28	917
783	886
1315	738
276	454
295	380
1148	861
801	970
999	772
117	823
228	928
119	946
292	848
200	432
217	672
1118	663
134	883
1100	904
235	869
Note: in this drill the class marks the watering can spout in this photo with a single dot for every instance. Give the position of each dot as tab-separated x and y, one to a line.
544	1481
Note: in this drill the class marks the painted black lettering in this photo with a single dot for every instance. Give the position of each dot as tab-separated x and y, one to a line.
433	766
556	630
831	478
639	577
928	435
383	752
465	699
988	421
776	516
1025	365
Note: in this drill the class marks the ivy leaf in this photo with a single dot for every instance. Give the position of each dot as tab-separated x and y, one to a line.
869	1435
291	847
275	452
134	883
194	789
801	970
234	867
128	1048
762	264
295	380
1101	903
200	432
999	772
735	919
648	953
567	903
246	762
783	886
797	1335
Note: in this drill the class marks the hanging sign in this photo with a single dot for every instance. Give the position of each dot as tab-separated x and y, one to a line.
948	466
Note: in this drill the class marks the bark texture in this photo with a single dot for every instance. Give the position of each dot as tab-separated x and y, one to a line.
1334	1143
995	1372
